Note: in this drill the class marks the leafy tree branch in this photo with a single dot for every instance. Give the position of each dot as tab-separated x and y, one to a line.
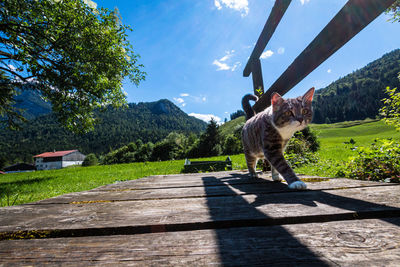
75	54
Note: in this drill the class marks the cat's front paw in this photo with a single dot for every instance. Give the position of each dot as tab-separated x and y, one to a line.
298	185
276	177
254	175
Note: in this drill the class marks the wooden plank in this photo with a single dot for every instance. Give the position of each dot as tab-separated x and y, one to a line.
233	185
277	12
350	20
203	212
221	178
258	84
343	243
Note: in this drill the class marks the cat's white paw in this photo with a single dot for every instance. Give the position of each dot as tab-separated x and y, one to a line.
298	185
254	175
277	177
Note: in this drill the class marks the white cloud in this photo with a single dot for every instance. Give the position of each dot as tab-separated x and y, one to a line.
184	94
266	54
218	4
329	71
90	3
206	117
228	55
179	100
221	66
239	5
236	65
304	2
204	99
11	67
222	63
281	50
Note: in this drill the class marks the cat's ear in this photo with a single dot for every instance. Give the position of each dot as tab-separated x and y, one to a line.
276	100
308	97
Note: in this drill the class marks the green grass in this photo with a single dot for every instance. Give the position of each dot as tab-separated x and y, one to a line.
334	152
19	188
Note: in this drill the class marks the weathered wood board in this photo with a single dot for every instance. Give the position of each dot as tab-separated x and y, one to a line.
208	219
348	243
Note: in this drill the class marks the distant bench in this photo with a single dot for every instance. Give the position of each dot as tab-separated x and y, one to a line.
207	166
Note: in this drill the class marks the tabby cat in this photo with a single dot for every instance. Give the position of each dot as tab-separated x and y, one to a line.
266	134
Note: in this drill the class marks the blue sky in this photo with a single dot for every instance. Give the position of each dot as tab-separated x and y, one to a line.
194	51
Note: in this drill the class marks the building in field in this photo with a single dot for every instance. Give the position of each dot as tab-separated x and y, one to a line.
20	167
58	159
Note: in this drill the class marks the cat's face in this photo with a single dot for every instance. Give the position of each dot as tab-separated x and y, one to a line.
295	113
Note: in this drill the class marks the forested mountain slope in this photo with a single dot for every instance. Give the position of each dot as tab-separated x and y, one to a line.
149	122
358	95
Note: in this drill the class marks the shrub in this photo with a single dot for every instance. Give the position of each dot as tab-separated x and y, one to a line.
300	149
379	162
90	160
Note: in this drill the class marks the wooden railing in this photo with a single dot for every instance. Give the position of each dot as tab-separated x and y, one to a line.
350	20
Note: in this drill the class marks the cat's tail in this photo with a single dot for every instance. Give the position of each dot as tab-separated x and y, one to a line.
247	107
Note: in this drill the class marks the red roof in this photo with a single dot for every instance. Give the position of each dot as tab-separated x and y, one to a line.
54	154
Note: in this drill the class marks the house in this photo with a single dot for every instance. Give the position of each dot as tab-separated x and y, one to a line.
20	167
58	159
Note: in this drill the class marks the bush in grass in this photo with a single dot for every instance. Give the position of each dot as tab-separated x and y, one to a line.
90	160
300	149
379	162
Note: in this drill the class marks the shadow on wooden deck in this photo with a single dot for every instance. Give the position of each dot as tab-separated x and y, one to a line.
240	244
222	218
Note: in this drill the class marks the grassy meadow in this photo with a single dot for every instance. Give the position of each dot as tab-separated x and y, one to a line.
19	188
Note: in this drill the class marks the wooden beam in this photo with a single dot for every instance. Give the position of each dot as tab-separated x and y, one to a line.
256	73
277	12
350	20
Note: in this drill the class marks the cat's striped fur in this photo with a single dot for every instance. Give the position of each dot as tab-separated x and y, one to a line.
266	134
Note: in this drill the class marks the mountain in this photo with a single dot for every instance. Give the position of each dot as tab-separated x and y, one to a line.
358	95
32	104
149	122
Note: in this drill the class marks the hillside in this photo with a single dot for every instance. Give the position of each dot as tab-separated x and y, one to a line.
32	104
358	95
149	122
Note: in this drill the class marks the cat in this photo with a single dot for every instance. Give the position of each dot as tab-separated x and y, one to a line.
266	134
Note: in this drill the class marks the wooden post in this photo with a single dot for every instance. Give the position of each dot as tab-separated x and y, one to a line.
349	21
273	20
256	72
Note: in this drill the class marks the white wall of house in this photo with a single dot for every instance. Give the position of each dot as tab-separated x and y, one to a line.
53	165
70	163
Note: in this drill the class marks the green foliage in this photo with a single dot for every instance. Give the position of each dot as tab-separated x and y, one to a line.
76	55
90	160
232	145
237	114
151	122
394	11
358	95
391	109
378	162
210	141
301	148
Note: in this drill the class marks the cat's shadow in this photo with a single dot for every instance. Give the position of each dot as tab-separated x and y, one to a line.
266	191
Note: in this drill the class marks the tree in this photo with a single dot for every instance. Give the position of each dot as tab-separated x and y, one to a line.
391	109
90	160
394	11
210	141
73	53
237	114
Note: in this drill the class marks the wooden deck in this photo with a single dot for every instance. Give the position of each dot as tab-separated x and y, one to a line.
221	218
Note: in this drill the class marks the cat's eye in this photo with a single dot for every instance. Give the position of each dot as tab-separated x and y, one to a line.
288	113
305	111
